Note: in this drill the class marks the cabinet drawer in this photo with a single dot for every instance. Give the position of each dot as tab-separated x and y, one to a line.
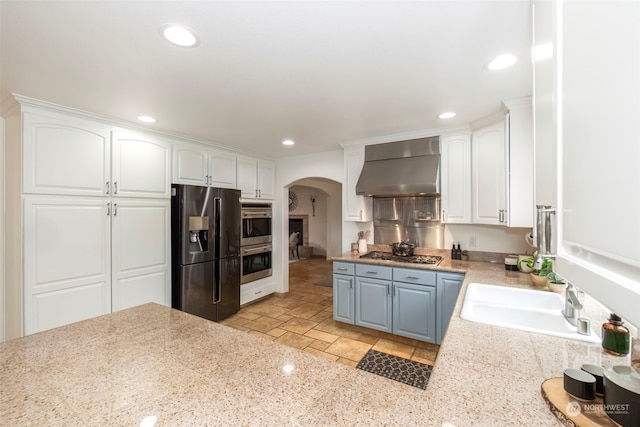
410	275
343	268
374	271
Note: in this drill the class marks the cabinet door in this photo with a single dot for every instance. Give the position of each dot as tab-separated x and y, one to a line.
190	165
488	156
140	252
266	180
343	298
66	261
247	178
448	288
357	208
140	165
598	152
222	169
414	311
373	303
456	179
65	156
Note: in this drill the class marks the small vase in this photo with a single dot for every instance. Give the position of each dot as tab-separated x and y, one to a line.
362	246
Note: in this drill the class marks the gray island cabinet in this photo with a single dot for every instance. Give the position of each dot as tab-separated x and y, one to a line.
414	303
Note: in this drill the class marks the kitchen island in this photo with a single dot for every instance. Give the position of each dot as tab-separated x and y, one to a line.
153	361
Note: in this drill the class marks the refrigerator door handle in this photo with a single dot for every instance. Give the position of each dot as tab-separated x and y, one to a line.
217	213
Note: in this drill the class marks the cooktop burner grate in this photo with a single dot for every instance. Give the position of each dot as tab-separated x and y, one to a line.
414	259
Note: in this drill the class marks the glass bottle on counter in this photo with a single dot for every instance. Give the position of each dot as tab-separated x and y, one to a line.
615	336
459	252
454	253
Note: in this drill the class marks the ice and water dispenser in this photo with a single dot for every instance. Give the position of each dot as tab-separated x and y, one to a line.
198	234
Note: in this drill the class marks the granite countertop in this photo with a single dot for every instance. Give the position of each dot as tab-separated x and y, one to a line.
152	360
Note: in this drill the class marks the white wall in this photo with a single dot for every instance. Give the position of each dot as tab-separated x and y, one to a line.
319	168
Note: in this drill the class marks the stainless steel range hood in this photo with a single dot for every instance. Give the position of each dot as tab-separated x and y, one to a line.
403	168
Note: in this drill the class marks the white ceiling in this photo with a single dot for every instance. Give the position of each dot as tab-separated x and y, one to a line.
319	72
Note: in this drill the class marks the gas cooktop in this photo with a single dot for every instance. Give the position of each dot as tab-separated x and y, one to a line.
413	259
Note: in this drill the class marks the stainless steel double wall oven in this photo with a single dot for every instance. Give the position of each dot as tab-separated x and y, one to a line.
256	250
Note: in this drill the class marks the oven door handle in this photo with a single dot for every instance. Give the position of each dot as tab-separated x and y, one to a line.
251	215
253	251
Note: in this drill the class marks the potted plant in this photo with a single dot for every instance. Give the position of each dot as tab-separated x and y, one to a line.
465	255
556	283
539	277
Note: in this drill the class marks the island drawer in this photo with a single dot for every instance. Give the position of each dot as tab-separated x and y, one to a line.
373	271
343	268
410	275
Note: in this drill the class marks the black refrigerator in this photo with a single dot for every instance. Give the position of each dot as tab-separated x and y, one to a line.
205	249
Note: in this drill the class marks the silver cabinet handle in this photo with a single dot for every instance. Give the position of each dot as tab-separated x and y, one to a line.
388	290
115	187
504	216
256	194
259	193
412	278
342	269
206	179
257	293
372	272
115	209
108	209
444	216
107	187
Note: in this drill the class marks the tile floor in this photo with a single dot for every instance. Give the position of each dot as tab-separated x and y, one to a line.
303	318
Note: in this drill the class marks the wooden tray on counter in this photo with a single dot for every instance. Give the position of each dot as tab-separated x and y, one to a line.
563	406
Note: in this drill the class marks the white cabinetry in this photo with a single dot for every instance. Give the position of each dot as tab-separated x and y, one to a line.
357	208
456	179
597	134
196	165
89	218
489	170
502	168
256	178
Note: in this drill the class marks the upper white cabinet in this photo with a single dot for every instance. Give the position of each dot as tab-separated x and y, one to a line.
456	179
196	165
66	155
596	137
356	208
489	174
502	170
140	165
256	178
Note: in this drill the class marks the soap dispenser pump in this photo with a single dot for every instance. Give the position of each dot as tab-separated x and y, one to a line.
615	336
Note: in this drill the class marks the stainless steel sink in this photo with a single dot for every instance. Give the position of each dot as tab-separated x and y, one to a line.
523	309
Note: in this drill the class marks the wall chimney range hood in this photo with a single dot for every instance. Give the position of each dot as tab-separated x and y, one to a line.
403	168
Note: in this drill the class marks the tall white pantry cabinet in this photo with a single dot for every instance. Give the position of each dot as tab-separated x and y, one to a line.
87	218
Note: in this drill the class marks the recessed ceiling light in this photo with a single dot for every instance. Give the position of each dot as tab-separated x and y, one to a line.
288	142
446	115
179	35
146	119
502	61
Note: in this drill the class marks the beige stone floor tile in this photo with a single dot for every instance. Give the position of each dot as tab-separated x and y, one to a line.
260	334
320	345
285	317
267	309
237	320
368	339
294	340
306	310
395	348
323	315
247	314
321	354
263	324
423	354
288	303
298	325
347	362
240	328
348	349
276	332
323	336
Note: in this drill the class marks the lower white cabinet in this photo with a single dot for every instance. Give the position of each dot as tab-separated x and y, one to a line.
84	257
414	303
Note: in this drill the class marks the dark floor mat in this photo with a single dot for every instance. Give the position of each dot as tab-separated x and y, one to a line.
396	368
